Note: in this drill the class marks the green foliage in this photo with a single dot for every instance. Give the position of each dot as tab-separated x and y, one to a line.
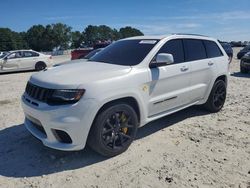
10	40
42	38
129	32
60	36
76	39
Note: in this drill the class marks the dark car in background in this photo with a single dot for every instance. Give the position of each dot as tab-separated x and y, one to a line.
82	52
243	52
245	63
228	49
82	59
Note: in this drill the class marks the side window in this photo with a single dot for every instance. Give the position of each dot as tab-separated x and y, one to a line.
212	49
175	48
30	54
27	54
14	55
34	54
11	56
194	50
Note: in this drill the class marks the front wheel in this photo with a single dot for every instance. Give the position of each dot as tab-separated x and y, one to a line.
217	97
113	130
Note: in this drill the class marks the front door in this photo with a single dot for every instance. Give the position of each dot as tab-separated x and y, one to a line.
11	62
170	84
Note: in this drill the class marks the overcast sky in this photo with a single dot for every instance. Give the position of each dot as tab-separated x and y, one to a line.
222	19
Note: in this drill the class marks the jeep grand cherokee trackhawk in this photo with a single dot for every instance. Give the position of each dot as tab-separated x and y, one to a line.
131	82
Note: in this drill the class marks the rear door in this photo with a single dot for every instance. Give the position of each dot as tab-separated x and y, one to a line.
29	59
169	86
202	66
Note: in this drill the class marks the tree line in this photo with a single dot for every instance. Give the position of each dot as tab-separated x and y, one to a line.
61	36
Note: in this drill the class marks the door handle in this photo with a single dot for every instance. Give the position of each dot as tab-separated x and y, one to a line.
184	69
210	63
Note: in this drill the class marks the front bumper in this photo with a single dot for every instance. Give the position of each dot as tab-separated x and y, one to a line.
245	63
73	121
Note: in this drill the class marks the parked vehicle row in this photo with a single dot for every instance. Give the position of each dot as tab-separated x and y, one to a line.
131	82
228	49
21	60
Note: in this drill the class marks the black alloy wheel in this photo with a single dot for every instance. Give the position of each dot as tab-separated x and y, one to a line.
217	97
113	130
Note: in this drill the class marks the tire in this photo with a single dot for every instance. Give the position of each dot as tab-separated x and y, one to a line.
40	66
113	130
217	97
243	70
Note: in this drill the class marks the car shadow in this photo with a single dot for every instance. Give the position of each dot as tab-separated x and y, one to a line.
15	72
241	75
22	155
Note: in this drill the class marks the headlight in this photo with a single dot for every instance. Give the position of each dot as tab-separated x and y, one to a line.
65	96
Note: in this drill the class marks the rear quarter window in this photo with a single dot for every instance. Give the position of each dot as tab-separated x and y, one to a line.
212	49
194	49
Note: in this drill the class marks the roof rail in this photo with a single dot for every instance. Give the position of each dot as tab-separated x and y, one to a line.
189	34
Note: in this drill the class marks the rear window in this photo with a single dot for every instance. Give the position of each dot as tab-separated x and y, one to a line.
212	49
194	50
125	52
175	48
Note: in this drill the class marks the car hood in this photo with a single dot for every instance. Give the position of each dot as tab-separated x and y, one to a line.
75	74
71	62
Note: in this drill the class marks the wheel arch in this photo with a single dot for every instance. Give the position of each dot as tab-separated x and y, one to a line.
127	100
221	77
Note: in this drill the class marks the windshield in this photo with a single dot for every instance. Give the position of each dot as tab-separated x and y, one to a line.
246	48
125	52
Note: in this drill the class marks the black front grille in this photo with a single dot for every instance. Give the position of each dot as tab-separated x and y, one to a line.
246	60
38	93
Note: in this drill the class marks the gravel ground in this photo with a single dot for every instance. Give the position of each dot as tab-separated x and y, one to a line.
191	148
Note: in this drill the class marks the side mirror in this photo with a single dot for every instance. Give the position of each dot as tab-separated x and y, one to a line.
162	59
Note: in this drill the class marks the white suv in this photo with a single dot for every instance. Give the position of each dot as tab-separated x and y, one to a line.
133	81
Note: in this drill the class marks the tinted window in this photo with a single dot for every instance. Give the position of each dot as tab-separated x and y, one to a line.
175	48
14	55
194	50
30	54
212	49
125	52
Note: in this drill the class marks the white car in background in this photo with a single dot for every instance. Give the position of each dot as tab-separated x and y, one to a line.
20	60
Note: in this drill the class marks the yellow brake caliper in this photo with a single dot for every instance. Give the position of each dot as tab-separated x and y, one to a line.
123	120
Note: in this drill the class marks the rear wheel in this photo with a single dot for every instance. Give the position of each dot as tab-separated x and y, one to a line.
217	97
40	66
113	130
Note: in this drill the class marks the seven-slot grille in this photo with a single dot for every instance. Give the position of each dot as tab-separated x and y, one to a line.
38	93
